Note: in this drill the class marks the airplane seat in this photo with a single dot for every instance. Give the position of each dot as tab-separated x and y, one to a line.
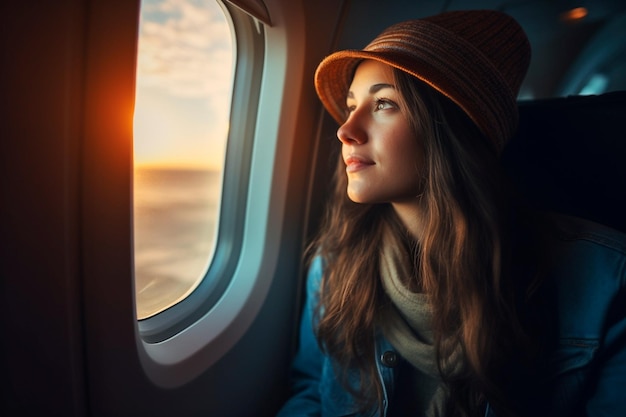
569	156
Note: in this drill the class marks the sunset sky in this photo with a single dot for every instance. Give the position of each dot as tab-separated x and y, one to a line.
184	75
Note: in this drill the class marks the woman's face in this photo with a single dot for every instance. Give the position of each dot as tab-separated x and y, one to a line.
383	157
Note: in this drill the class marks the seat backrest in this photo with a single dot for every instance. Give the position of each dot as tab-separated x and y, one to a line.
569	156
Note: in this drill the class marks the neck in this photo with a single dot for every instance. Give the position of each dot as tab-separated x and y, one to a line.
410	213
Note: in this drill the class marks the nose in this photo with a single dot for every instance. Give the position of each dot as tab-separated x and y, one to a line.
352	130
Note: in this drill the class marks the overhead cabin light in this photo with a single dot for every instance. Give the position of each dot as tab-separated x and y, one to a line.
574	15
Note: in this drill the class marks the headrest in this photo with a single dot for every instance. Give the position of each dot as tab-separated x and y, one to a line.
569	156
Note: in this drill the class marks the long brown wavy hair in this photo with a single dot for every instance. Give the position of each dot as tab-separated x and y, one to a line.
460	260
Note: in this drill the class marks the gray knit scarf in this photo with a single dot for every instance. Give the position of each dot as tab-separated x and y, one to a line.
407	325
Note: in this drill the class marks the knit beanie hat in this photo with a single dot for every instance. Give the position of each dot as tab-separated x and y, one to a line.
476	58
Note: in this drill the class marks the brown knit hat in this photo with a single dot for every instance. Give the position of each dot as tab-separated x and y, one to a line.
476	58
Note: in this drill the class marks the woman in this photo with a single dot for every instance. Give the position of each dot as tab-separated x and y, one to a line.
431	291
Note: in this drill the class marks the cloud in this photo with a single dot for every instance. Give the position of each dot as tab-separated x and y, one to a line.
185	48
184	71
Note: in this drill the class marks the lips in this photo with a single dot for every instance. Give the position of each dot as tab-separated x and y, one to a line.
356	163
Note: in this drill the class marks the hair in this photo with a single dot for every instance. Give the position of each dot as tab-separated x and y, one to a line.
459	261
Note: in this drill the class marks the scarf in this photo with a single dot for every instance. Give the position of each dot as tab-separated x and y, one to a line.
407	325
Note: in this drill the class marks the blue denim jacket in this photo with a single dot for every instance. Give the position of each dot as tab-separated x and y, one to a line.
581	306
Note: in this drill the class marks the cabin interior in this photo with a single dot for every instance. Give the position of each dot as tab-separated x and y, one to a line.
72	344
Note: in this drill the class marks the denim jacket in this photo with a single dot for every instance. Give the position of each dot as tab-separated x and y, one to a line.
581	306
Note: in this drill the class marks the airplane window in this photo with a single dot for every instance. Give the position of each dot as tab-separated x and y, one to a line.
184	72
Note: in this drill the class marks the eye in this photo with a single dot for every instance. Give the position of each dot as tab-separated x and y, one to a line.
349	109
384	104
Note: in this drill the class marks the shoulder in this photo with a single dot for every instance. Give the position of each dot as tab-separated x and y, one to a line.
582	270
573	230
314	280
582	252
580	246
316	271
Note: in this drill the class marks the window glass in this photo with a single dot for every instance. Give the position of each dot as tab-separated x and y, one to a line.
184	71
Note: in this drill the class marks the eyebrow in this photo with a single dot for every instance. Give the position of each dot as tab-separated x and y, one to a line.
374	89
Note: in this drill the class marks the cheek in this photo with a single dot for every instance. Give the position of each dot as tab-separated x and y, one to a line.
407	152
409	168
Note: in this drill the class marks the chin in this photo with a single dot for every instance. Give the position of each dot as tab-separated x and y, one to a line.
356	198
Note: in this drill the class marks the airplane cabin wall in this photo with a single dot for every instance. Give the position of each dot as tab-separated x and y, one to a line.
70	339
43	52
